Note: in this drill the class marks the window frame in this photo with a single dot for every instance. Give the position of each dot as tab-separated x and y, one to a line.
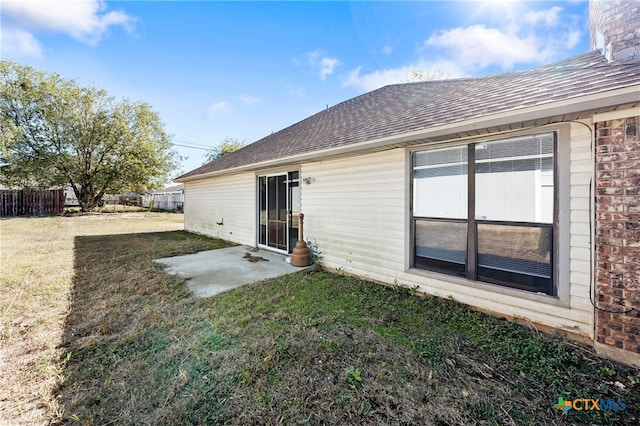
471	252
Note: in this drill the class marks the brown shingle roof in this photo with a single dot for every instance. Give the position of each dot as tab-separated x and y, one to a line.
401	108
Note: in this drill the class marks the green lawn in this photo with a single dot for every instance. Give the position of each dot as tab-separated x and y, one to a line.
134	347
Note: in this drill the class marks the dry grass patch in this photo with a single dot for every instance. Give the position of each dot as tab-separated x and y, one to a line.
37	264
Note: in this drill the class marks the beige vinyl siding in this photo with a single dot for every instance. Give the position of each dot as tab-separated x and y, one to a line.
354	211
230	198
581	224
357	211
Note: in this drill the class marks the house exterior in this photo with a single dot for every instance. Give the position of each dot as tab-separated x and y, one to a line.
169	198
514	193
70	199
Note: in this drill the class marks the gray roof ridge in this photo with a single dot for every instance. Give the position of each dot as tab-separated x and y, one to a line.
509	74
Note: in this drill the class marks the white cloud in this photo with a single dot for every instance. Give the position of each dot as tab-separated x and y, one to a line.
327	65
313	57
216	108
84	20
477	46
530	38
321	63
572	39
18	42
547	17
375	79
248	100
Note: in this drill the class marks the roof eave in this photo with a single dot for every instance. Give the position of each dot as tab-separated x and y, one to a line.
591	102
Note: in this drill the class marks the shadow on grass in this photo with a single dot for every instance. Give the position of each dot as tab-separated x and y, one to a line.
304	349
126	360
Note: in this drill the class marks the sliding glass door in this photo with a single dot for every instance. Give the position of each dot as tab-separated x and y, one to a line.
278	209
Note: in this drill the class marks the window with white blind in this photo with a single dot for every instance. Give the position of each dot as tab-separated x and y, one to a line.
486	211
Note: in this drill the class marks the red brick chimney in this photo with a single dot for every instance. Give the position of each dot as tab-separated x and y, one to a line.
615	28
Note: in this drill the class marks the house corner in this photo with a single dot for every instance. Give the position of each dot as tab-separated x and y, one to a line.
617	237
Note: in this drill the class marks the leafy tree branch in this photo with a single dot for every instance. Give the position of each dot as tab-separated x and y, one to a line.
227	146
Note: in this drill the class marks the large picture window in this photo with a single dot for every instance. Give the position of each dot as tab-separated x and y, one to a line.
485	211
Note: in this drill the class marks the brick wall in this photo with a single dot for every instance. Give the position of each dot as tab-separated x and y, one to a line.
617	238
619	22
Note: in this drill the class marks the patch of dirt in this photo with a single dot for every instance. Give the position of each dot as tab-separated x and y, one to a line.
252	258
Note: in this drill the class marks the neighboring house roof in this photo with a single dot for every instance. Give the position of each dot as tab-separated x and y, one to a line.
169	189
414	107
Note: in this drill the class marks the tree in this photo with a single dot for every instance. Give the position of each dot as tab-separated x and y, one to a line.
425	74
54	132
227	146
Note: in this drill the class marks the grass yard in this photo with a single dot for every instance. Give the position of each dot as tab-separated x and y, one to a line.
93	332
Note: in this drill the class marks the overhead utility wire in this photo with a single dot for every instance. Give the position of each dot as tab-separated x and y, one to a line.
193	143
190	146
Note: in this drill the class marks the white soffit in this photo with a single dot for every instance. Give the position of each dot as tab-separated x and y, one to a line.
617	115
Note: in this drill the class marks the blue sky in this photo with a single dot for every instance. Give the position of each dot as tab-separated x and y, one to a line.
246	69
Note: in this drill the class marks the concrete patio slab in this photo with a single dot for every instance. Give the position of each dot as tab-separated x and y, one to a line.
210	272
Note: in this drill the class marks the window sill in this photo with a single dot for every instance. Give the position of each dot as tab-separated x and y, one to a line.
493	288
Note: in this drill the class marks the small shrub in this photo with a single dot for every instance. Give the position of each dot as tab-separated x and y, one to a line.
316	254
354	377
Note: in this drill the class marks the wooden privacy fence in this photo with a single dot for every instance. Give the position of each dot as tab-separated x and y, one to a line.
31	203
